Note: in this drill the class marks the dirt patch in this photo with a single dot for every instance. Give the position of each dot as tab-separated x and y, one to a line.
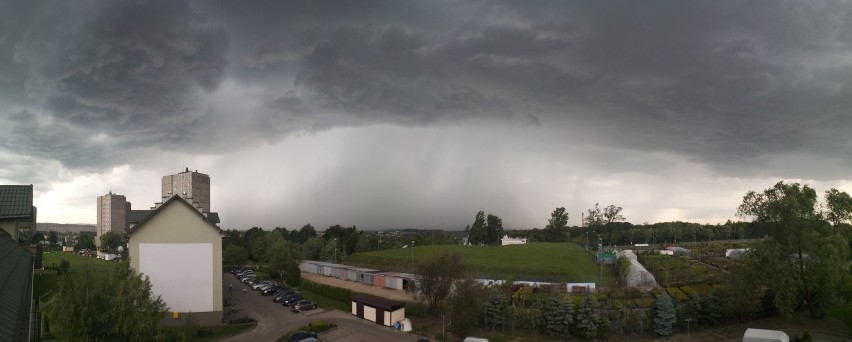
398	295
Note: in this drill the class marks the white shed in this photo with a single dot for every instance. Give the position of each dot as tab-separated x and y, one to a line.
762	335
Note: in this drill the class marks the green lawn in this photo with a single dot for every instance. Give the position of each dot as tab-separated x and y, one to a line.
45	281
540	261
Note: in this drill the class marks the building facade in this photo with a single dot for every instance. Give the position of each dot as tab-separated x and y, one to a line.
191	185
112	212
180	250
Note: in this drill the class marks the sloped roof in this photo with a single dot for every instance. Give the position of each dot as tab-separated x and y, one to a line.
213	217
16	200
377	302
16	267
134	216
173	201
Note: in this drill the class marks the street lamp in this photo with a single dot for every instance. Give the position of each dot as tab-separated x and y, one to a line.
335	250
412	256
600	259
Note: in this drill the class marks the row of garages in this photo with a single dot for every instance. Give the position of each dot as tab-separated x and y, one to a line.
389	280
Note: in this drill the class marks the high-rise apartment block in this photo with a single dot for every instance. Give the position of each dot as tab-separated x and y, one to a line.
191	185
112	212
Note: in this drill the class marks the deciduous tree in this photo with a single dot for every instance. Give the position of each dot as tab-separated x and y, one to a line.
465	306
235	255
435	278
494	228
557	226
110	241
478	234
803	259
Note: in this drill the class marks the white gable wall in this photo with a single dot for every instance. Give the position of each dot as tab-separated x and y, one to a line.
182	256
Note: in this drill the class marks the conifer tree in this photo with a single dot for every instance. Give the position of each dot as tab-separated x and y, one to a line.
666	316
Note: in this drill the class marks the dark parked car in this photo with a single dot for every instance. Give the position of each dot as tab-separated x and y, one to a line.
303	305
269	290
288	300
300	336
280	295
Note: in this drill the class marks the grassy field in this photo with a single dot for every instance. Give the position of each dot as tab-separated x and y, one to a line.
45	281
539	261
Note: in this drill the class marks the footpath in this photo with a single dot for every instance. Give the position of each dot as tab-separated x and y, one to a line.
397	295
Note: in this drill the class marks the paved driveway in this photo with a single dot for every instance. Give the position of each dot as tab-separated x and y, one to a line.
273	320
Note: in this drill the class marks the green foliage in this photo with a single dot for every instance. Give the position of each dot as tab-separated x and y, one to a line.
235	255
52	237
494	230
711	309
588	318
312	249
110	241
335	293
86	240
497	311
465	307
666	316
64	266
805	257
189	328
121	307
557	226
478	234
283	259
558	316
316	326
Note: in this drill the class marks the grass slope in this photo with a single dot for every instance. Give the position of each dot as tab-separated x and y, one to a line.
539	261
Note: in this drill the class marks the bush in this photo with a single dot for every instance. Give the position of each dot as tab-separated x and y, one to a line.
688	290
242	320
316	326
331	292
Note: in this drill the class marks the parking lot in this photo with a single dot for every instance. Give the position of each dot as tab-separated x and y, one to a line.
274	320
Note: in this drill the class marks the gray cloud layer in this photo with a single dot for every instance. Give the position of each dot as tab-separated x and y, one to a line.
746	88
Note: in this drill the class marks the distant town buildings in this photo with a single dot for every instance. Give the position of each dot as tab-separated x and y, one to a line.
115	212
176	243
191	185
112	209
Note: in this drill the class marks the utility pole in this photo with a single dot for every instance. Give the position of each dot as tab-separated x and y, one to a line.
335	250
412	256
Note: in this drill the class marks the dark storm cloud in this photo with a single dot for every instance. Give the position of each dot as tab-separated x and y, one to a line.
721	83
718	82
132	70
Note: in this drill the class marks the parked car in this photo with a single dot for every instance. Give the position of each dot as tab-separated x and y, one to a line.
283	294
270	290
303	305
300	336
259	284
289	300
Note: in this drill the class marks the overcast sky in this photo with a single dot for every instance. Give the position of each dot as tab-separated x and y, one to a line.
418	114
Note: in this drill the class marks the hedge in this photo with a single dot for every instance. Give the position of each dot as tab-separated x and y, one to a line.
677	294
332	292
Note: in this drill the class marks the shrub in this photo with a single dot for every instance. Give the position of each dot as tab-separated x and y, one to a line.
688	290
332	292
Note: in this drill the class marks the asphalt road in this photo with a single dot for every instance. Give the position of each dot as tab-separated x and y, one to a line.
274	320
